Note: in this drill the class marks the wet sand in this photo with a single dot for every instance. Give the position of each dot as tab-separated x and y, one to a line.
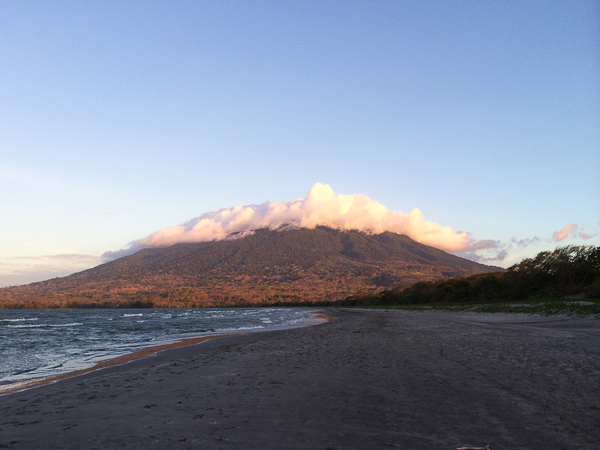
371	379
141	353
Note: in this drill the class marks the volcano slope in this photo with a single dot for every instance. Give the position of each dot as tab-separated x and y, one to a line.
265	267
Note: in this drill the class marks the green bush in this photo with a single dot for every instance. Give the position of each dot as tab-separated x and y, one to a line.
566	270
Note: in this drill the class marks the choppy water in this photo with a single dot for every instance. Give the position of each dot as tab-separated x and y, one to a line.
39	343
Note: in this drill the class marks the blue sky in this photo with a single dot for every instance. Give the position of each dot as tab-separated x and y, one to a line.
120	119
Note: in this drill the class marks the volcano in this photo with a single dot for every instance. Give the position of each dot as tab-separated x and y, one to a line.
263	267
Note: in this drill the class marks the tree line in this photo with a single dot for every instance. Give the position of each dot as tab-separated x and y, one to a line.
568	270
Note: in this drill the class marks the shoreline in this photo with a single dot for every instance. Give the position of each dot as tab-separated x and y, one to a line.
370	379
145	352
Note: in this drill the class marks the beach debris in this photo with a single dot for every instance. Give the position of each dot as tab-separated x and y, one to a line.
487	447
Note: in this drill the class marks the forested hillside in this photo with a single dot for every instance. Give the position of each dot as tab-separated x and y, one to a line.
570	270
268	266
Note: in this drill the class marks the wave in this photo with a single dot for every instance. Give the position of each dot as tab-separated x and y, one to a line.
42	325
21	372
20	319
241	328
81	338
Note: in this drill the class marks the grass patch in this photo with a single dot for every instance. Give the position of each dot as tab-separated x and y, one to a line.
538	306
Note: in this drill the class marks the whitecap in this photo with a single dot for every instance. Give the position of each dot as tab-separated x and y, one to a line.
20	319
241	328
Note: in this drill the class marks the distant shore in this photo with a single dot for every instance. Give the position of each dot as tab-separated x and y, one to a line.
371	379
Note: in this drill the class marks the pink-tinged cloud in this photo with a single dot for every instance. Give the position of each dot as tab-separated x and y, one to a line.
482	245
583	235
321	207
570	229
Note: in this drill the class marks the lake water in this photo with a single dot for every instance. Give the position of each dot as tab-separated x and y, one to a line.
40	343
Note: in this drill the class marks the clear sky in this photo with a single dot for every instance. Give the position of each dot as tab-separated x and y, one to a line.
119	119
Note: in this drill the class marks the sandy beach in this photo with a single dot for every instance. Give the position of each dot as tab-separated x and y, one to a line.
370	379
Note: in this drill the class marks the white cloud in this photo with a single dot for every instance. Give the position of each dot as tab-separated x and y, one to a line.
321	207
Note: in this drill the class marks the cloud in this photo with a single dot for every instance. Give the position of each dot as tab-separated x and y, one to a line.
32	275
69	258
486	258
501	256
570	229
111	213
483	245
133	247
17	270
521	243
583	235
321	207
